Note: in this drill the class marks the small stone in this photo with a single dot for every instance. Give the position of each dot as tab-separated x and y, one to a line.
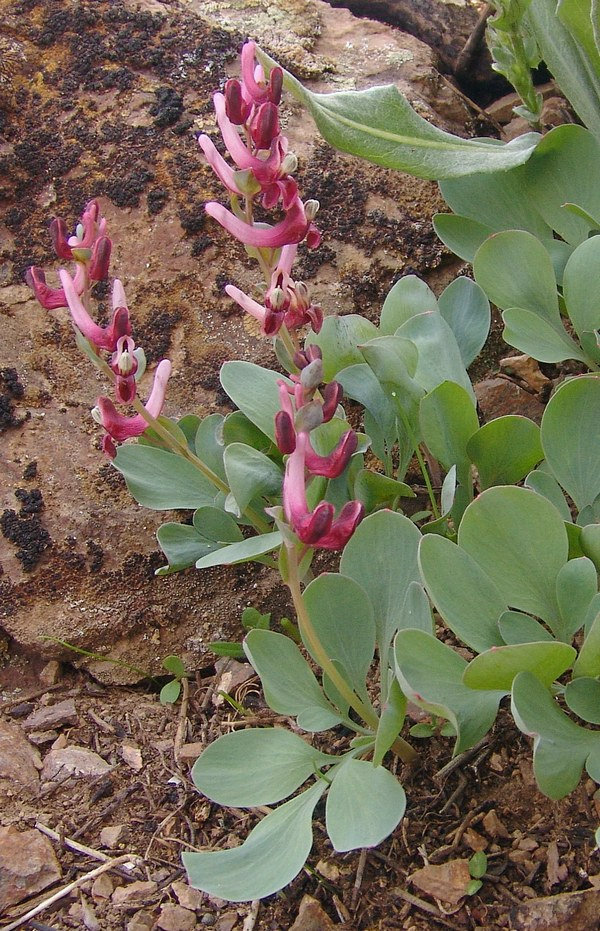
493	826
234	675
226	922
474	840
189	753
27	865
78	762
447	882
62	714
61	742
41	738
577	911
133	893
50	674
499	396
188	897
311	917
111	836
176	918
19	761
141	921
526	369
102	887
132	755
329	870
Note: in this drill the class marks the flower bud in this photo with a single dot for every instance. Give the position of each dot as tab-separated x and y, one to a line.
81	255
277	298
311	375
332	396
311	208
59	236
96	414
285	435
236	108
246	183
275	85
309	417
265	126
303	357
125	363
100	260
289	164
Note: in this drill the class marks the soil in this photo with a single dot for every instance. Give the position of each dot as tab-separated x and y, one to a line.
102	99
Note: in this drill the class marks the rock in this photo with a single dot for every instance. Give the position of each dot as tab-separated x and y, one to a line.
575	911
188	897
78	762
102	887
132	755
225	922
62	714
176	918
499	396
141	921
19	761
50	674
527	370
447	882
113	835
311	917
189	753
41	738
27	865
134	892
232	675
493	826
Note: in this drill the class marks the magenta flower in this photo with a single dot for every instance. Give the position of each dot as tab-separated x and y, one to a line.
291	229
124	364
101	337
52	298
119	426
318	528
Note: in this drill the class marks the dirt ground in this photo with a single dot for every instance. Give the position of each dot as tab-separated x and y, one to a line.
102	98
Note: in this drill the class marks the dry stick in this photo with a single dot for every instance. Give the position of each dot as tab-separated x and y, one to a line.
250	919
66	890
362	860
472	44
37	694
183	719
79	848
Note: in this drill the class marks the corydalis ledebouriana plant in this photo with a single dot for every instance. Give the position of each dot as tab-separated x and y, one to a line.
248	118
90	248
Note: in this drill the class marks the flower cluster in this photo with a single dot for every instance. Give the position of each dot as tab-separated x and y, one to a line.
248	118
301	412
90	248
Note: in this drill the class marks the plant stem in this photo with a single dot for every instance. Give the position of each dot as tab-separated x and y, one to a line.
421	461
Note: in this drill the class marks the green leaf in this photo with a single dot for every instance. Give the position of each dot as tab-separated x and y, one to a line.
161	480
515	627
583	698
500	201
496	668
588	661
182	545
461	235
238	429
342	617
209	443
579	19
381	556
527	331
448	420
515	270
581	289
560	747
251	871
250	474
364	805
505	450
244	551
466	309
478	865
254	390
439	356
339	339
227	648
525	551
189	427
422	731
465	596
408	297
430	675
360	384
546	485
565	169
576	585
375	490
174	665
256	766
570	434
379	125
289	685
391	720
416	610
215	524
170	692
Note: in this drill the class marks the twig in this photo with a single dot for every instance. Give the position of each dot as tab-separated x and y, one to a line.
183	719
460	759
362	860
66	890
37	694
250	919
472	44
80	848
111	806
423	905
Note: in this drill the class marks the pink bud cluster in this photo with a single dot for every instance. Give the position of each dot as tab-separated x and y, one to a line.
301	412
248	118
90	249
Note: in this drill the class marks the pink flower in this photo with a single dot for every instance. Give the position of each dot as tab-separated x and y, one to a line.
101	337
318	528
253	78
90	228
51	298
119	426
124	364
291	229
